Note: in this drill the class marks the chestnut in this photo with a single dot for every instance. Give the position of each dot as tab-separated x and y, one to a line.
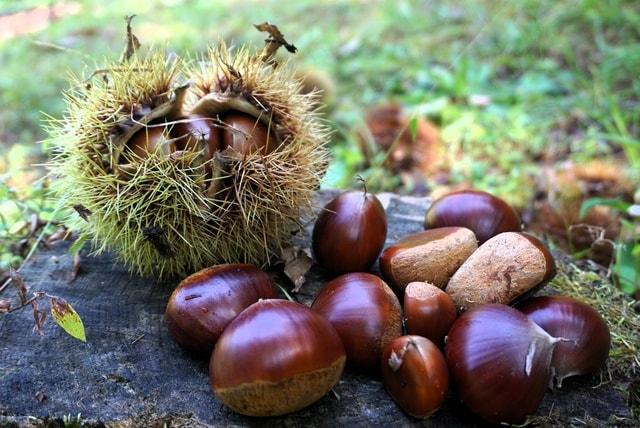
415	374
350	232
486	215
205	302
587	338
196	133
365	313
500	362
151	139
428	311
502	270
276	357
245	134
432	256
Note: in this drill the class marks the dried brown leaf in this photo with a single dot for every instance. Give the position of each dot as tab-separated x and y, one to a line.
59	235
82	211
274	41
40	396
297	263
20	285
132	43
38	317
5	305
75	268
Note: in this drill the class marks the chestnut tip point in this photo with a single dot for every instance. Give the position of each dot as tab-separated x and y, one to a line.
415	374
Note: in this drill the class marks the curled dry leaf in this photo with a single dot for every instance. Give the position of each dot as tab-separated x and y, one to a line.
59	235
132	43
274	41
5	305
82	211
35	224
297	262
75	268
20	285
67	318
39	317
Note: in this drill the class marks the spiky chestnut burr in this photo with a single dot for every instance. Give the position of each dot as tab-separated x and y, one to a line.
170	203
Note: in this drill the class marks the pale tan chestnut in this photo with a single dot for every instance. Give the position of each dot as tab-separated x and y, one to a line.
501	270
430	256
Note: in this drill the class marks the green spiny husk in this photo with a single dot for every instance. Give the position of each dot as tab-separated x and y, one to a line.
163	215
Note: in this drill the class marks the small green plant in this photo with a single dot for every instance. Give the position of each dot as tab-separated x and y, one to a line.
26	216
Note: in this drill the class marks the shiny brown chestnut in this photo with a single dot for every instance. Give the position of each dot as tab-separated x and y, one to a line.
486	215
196	132
350	232
502	270
415	374
432	255
276	357
365	313
204	303
428	311
588	340
245	134
151	139
499	362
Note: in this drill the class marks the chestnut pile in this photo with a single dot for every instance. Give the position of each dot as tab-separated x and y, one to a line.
466	318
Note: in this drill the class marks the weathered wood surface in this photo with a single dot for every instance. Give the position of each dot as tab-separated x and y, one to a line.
131	372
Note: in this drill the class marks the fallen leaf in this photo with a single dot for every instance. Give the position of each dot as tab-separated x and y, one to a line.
40	396
274	41
75	268
132	43
67	318
297	263
59	235
38	316
20	285
5	305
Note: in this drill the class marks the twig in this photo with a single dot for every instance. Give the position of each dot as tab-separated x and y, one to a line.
37	295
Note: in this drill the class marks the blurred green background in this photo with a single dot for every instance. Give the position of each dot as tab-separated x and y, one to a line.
515	90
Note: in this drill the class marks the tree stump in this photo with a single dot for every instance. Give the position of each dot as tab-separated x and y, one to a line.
130	372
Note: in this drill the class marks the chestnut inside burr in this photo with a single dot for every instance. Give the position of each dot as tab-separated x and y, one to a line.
246	134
